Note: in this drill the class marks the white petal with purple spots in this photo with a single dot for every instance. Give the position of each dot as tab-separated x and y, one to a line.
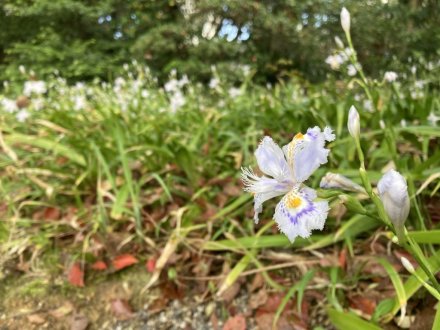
297	215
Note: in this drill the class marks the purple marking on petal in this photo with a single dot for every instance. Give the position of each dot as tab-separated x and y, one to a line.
283	185
312	134
294	218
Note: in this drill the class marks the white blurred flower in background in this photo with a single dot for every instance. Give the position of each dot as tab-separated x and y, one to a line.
177	100
9	105
213	83
34	87
334	61
22	115
390	76
119	84
351	70
367	105
433	119
79	102
234	92
38	104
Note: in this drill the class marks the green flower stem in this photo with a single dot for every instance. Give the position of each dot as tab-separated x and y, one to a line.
360	152
428	287
354	60
414	249
390	138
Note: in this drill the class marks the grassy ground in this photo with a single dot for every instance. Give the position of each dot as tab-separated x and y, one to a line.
102	177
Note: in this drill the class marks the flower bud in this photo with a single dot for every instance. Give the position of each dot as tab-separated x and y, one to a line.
22	69
338	181
339	42
345	20
353	122
407	264
393	192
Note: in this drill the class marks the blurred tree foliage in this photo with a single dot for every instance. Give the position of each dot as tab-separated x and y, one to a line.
88	38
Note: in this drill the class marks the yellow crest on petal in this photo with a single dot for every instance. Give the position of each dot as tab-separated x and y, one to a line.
293	201
298	136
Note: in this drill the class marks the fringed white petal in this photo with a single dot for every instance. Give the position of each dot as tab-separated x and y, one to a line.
257	185
305	153
271	161
259	199
297	214
328	134
263	188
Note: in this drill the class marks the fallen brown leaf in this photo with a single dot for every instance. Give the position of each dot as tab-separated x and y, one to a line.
272	303
258	299
257	282
238	322
52	213
158	304
62	311
171	290
123	261
265	321
229	294
122	309
150	265
79	322
214	321
99	265
362	303
343	258
75	275
36	319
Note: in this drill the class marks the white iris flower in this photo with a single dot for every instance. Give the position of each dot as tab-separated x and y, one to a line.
299	211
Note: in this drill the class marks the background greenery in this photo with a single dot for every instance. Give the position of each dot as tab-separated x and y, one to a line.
86	39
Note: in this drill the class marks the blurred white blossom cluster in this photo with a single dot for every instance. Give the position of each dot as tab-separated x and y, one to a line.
174	88
32	97
135	89
339	58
